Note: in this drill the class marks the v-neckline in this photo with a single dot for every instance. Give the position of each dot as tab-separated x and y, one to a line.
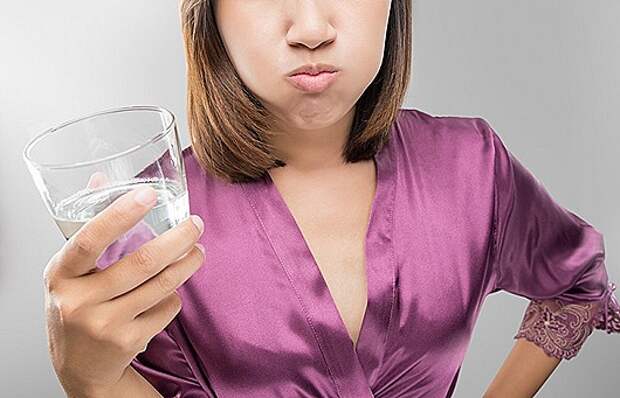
297	260
280	197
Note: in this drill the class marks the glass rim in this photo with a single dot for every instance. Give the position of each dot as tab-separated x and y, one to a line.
158	135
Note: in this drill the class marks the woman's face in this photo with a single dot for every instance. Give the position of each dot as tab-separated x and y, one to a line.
267	39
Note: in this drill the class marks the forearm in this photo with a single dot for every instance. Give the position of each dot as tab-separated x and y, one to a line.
131	385
523	372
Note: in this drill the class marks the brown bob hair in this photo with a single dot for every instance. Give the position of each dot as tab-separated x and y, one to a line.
230	128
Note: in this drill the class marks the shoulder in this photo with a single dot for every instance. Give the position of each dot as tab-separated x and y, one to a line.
449	141
196	175
416	125
188	159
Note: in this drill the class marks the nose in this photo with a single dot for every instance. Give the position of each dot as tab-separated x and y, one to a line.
310	26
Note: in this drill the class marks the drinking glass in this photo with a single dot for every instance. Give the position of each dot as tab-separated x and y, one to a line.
83	165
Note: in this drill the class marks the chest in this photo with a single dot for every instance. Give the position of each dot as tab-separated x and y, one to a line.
265	308
333	216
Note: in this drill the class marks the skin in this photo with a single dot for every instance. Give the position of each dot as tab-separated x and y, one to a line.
523	372
84	322
312	131
287	34
321	191
112	314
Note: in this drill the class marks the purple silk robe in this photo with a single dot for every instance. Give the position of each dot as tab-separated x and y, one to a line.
455	218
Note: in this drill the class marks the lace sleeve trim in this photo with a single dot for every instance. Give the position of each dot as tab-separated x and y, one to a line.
558	328
561	328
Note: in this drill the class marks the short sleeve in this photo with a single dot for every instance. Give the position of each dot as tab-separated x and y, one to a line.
163	364
550	255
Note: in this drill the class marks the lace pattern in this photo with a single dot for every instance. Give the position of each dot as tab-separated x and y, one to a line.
560	328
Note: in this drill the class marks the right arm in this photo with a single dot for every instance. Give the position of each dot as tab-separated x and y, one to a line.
111	315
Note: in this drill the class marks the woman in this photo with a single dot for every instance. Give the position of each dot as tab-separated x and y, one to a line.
350	243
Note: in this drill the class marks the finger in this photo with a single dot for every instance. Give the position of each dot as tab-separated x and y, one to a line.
145	262
153	321
161	285
98	180
79	253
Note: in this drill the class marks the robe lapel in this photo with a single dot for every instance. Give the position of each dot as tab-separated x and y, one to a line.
353	369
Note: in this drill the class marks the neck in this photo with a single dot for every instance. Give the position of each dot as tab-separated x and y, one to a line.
306	151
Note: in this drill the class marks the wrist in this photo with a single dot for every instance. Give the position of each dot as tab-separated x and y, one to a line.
88	390
130	385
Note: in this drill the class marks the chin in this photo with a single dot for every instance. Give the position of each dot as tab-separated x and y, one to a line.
316	116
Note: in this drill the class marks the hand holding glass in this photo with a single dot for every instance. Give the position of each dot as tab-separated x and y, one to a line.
83	165
112	286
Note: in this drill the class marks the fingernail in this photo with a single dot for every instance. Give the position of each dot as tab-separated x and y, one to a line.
201	247
197	222
145	195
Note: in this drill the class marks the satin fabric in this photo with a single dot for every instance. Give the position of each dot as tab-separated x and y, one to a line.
455	218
